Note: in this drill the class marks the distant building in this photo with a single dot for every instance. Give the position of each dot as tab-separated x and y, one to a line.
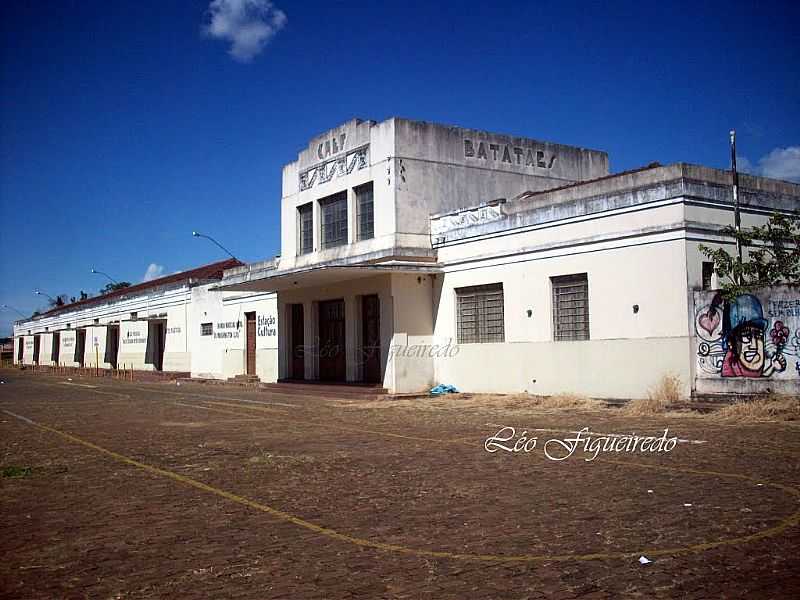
175	324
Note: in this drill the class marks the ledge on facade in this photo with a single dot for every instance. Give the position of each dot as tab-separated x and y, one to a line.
651	183
392	260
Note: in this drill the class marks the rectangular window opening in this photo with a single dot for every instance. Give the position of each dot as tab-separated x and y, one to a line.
333	226
570	307
480	316
366	212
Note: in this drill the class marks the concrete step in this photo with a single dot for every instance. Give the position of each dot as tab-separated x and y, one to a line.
349	391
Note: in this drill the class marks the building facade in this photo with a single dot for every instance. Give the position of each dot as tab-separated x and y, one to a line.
414	254
174	324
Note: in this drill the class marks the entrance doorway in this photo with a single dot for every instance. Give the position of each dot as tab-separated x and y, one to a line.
36	342
55	351
250	343
297	366
156	341
21	349
332	363
112	345
371	338
80	346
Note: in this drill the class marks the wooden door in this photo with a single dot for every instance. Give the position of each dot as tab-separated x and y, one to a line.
251	343
297	344
332	362
371	338
55	350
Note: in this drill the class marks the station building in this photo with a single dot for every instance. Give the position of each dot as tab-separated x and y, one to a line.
414	254
176	324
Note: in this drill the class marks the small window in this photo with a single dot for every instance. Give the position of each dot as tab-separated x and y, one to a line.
571	307
206	329
305	222
708	273
334	220
366	213
96	321
134	315
479	311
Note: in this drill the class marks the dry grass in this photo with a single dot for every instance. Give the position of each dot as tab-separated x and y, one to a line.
772	408
660	399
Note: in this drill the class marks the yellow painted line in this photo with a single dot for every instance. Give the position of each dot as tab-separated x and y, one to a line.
790	521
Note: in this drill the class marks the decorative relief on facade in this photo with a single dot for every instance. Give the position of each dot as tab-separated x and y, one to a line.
354	160
467	218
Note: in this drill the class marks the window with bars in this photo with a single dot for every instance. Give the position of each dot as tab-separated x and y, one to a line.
366	212
333	228
479	311
571	307
305	222
206	329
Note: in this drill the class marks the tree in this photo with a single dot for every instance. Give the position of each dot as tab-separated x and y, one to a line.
112	287
84	295
773	256
59	300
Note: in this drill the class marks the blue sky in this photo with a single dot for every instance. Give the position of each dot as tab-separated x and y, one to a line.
126	125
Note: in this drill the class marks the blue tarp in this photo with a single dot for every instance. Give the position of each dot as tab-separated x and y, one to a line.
443	388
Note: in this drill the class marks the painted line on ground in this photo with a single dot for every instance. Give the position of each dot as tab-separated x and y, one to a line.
791	521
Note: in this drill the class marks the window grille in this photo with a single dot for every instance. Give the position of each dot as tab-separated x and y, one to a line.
571	307
305	216
334	220
480	314
366	211
206	329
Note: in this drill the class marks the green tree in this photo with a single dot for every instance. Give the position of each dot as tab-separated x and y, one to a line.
112	287
772	257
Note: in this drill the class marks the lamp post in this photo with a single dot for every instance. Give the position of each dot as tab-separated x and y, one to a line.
197	234
96	272
41	293
7	307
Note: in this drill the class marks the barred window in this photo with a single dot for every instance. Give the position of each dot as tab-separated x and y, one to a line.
366	212
479	311
571	307
206	329
305	220
334	220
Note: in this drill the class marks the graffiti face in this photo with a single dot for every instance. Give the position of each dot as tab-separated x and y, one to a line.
748	344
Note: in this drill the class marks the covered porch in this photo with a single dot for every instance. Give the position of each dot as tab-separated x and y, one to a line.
351	323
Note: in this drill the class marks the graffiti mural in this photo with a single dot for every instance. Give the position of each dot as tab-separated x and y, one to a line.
751	336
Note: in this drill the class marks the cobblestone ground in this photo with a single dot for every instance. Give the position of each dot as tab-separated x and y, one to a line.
129	490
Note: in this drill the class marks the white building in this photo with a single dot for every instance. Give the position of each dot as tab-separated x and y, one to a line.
415	254
175	324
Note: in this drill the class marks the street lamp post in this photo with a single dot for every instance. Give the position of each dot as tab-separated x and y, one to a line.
197	234
41	293
7	307
112	280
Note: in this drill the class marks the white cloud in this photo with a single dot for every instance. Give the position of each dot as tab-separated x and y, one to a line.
247	24
780	163
154	271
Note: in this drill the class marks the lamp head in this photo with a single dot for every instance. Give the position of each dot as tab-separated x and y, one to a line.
195	234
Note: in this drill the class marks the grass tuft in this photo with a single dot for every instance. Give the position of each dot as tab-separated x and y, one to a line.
14	471
774	407
661	398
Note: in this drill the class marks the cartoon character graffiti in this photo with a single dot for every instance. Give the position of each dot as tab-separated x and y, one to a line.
732	340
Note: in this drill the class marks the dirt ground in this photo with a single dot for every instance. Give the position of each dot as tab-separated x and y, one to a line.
116	489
